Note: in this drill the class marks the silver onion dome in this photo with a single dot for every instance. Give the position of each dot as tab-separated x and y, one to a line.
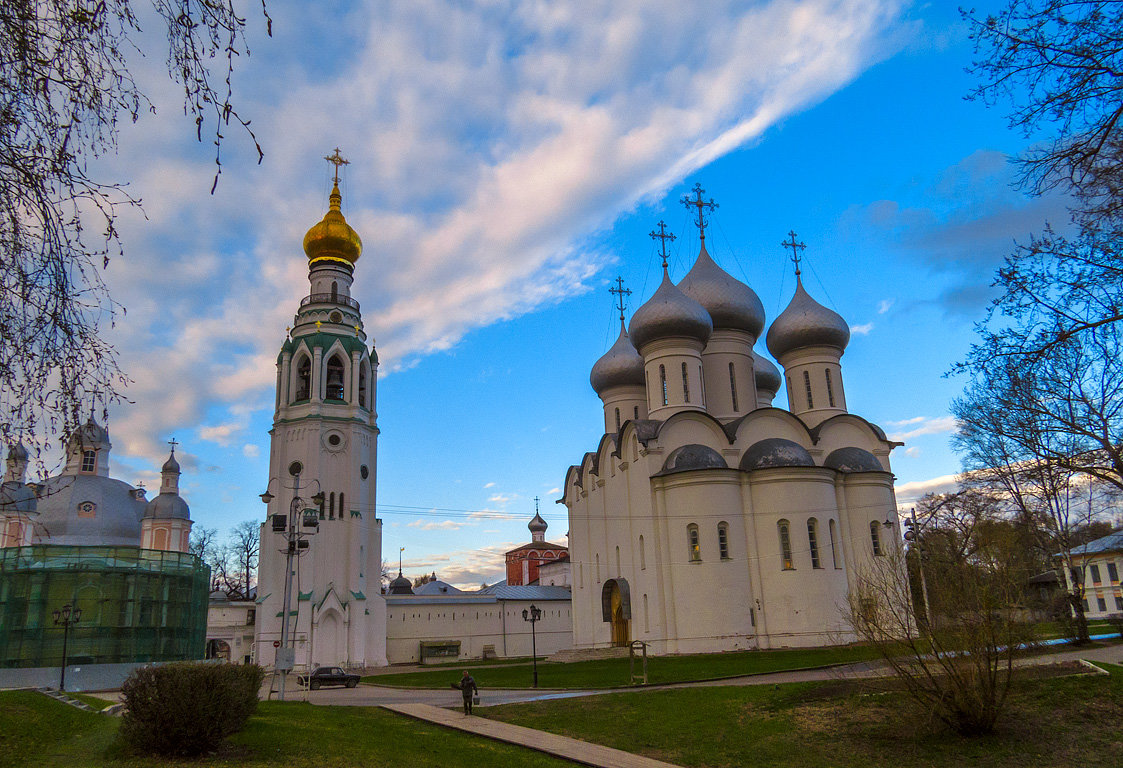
731	303
767	375
806	323
537	524
670	312
167	506
620	366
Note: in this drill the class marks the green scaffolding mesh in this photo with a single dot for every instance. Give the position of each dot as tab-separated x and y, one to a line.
137	605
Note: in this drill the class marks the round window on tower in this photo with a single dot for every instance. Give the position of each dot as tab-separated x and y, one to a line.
296	468
364	472
334	441
336	317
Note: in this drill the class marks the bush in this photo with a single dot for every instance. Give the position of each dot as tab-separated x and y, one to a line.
1115	620
187	708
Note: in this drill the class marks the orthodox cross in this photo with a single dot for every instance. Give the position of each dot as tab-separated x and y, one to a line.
173	444
701	205
337	160
619	291
664	236
535	505
797	250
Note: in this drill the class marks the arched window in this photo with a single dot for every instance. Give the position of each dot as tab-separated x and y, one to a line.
834	544
723	540
363	387
642	555
813	542
323	506
830	389
303	379
334	291
733	386
617	561
598	568
663	382
160	539
89	461
646	623
875	537
702	385
694	543
335	379
341	505
331	506
807	384
785	545
685	385
617	419
635	412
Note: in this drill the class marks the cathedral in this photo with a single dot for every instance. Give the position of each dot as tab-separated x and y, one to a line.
322	454
707	519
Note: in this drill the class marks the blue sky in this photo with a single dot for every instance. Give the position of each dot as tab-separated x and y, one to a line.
507	162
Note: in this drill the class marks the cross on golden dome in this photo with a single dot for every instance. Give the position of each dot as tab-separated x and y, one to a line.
337	160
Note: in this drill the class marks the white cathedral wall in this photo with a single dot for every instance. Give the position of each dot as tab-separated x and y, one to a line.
802	606
724	347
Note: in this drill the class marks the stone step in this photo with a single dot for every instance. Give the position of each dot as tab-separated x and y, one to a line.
60	696
589	654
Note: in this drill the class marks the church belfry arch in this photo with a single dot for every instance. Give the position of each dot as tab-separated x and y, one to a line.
616	609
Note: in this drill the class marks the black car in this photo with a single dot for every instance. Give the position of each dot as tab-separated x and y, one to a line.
328	676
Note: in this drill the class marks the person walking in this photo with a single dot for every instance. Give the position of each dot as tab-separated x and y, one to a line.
468	689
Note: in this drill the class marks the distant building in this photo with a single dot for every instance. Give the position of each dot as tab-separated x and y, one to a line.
88	540
1098	566
230	627
524	562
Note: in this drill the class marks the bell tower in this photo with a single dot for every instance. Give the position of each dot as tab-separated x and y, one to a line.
322	459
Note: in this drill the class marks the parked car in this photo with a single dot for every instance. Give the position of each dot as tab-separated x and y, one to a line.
328	676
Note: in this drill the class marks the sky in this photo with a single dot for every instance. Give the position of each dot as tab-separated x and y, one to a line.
507	162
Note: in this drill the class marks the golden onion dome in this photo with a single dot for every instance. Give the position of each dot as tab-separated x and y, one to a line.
332	239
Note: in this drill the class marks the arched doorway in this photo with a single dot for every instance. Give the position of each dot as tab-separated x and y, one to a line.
218	649
616	609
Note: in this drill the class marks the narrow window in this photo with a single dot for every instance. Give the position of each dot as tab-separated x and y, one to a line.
875	537
89	461
791	392
617	561
1095	574
807	384
642	555
834	544
363	387
341	505
303	379
646	623
1112	573
1118	603
335	378
685	385
733	386
1101	603
663	382
830	389
635	412
334	291
331	506
617	419
323	503
723	540
702	385
785	545
694	543
813	542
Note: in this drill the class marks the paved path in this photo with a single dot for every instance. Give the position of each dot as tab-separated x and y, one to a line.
560	746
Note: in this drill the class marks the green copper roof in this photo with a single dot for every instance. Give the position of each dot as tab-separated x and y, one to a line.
323	340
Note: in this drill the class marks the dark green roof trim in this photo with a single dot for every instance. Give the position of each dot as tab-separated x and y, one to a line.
304	596
323	340
358	595
261	600
340	419
356	513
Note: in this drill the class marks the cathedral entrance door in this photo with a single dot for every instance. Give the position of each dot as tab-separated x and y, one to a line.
616	610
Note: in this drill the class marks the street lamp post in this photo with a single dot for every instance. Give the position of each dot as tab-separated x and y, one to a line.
912	535
65	616
532	615
291	527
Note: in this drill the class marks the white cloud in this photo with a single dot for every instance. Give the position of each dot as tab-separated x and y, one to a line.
861	330
910	493
546	123
924	426
433	525
502	499
220	433
251	451
912	450
884	306
553	490
492	514
489	485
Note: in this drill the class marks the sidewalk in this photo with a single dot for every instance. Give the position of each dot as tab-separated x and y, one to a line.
559	746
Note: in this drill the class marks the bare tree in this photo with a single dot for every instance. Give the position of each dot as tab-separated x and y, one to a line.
65	82
243	549
1059	64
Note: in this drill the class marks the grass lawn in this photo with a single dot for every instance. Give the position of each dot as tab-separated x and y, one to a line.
1071	721
609	673
38	731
